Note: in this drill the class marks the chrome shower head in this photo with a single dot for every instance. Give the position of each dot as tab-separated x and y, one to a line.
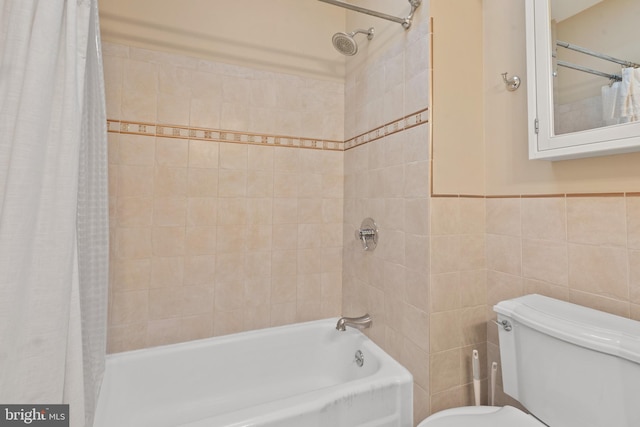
346	44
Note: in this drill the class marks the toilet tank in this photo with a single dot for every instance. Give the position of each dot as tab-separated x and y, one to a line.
569	365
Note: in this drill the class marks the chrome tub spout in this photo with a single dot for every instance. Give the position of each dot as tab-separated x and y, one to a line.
361	322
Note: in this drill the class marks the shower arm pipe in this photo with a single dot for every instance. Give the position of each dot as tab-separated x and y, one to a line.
405	22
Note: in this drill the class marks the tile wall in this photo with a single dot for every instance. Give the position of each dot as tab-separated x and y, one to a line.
226	196
387	178
581	249
457	298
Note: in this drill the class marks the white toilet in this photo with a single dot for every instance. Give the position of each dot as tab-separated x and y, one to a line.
569	365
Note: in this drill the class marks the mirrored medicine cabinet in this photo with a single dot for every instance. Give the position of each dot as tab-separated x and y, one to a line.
583	77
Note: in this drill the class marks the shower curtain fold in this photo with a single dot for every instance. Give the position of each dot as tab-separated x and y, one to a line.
53	205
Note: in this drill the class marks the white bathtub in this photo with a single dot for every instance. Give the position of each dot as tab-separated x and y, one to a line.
291	376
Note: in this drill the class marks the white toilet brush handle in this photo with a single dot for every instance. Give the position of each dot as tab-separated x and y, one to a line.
494	371
476	376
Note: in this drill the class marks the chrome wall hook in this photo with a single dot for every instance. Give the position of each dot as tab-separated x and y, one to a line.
512	83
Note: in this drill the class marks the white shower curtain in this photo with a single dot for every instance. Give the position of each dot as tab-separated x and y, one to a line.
53	205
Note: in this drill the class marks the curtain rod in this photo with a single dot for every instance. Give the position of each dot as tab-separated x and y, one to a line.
565	64
596	54
406	22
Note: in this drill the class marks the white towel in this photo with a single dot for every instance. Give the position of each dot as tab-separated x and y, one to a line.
629	97
609	102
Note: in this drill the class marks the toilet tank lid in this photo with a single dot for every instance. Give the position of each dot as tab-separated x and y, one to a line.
576	324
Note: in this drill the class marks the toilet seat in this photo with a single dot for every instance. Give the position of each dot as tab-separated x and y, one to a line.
481	416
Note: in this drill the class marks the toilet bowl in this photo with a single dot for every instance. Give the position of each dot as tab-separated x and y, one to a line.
481	416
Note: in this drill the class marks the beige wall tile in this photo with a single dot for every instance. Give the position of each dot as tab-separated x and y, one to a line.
259	237
282	314
417	361
231	238
285	236
167	272
446	292
129	307
135	181
232	211
474	325
633	222
195	300
473	286
260	158
285	185
131	274
503	216
234	156
634	277
113	78
502	286
286	160
599	302
445	215
446	331
232	183
416	216
259	183
202	182
168	241
472	215
504	253
196	327
172	152
416	249
545	260
203	154
205	112
309	211
170	182
202	211
472	252
258	317
169	211
164	303
139	91
284	288
544	218
134	211
451	398
422	404
136	150
229	295
447	365
285	210
133	242
162	332
416	179
132	336
596	220
311	185
543	288
200	240
445	254
228	322
599	270
199	270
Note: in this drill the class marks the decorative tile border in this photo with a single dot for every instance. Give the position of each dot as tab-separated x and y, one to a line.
184	132
412	120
